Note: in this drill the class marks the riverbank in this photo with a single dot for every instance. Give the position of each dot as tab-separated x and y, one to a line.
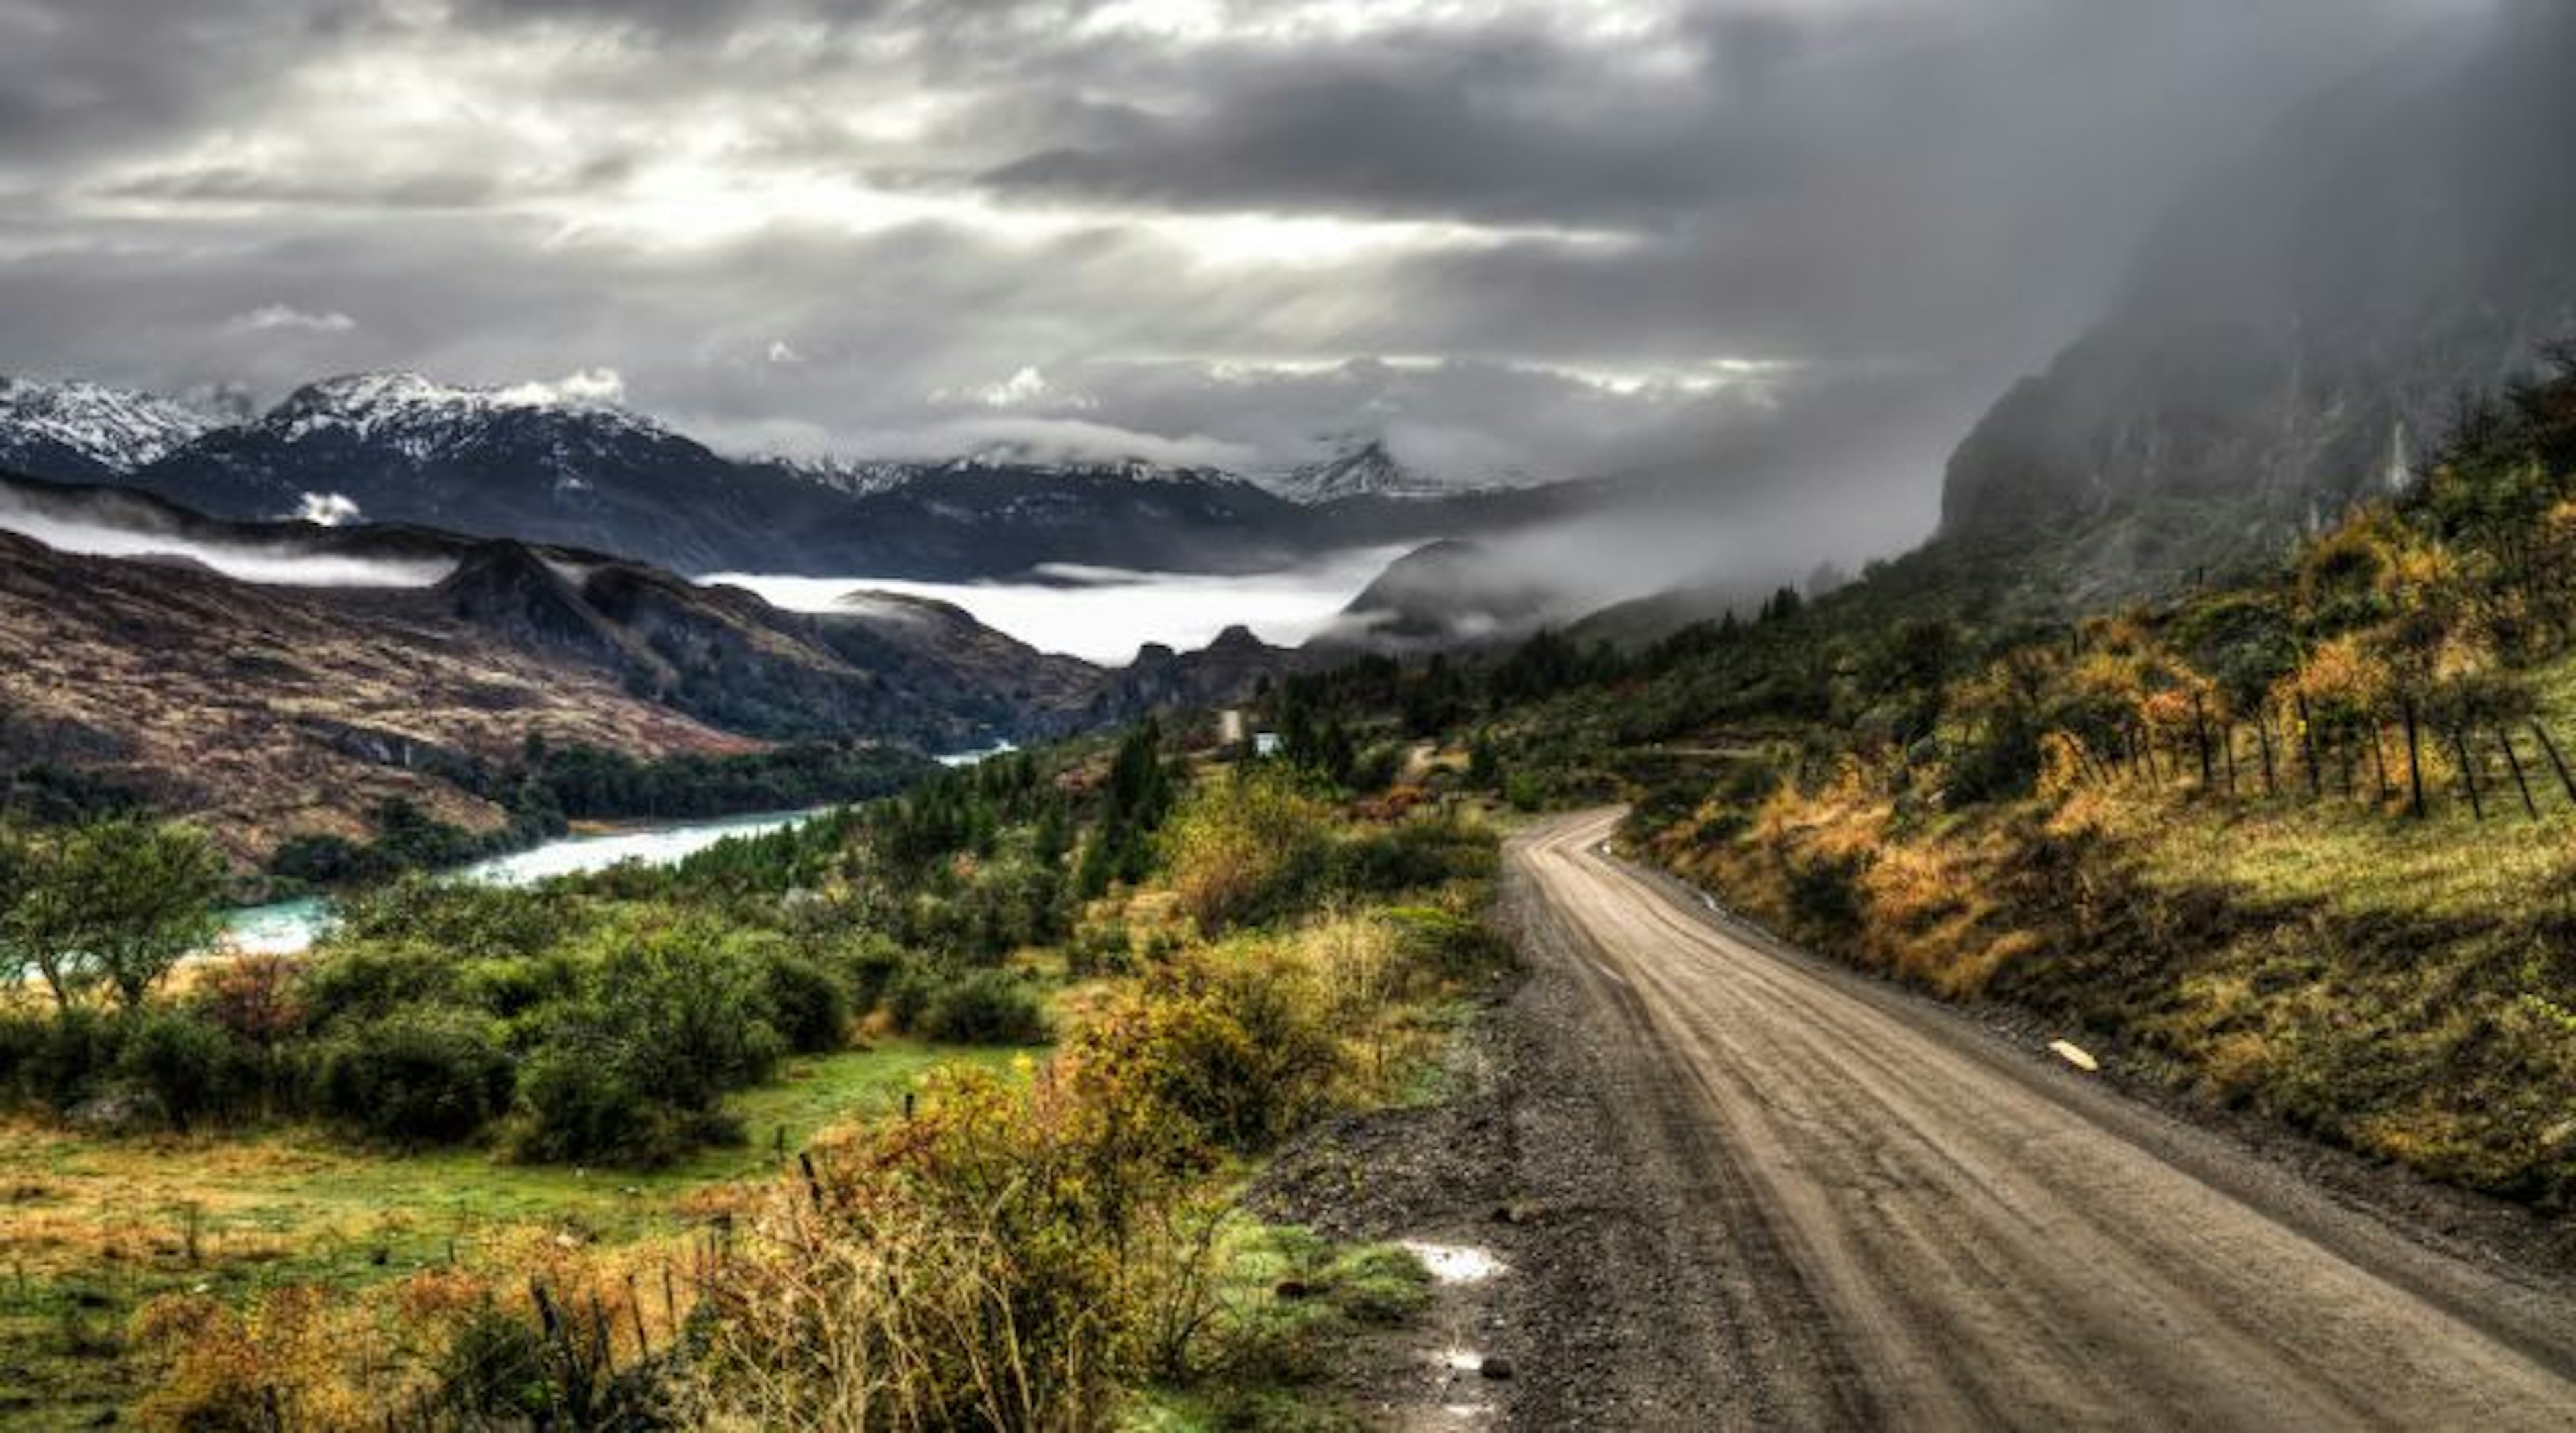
291	926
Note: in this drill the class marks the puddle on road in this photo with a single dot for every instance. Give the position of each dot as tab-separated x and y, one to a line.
1454	1394
1454	1263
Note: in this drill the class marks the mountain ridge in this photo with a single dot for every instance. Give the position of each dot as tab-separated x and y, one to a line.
553	465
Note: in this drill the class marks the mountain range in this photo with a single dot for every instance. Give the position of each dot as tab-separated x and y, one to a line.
287	676
536	465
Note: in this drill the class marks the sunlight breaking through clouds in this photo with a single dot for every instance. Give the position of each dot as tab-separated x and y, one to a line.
1592	233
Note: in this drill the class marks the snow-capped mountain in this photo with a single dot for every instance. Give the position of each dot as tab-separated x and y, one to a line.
854	477
1364	470
84	432
557	464
424	420
531	462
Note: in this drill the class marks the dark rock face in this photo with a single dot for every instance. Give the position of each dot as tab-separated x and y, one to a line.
1228	671
2304	324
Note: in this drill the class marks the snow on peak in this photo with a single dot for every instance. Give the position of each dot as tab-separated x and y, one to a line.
1039	459
421	416
116	429
1365	469
858	477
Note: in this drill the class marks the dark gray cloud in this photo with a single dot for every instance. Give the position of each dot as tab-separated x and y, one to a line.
1793	243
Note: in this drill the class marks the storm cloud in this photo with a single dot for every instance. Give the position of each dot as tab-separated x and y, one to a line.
1796	243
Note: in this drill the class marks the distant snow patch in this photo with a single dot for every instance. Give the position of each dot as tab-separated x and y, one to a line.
326	509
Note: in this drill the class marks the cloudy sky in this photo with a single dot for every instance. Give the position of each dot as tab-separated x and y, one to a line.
1547	237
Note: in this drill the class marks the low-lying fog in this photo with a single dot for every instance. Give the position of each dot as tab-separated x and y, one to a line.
1099	614
247	562
1104	614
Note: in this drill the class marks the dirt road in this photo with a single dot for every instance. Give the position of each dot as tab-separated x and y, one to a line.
1816	1201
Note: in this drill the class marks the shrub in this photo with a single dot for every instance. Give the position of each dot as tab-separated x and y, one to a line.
1104	949
24	1035
1244	850
355	981
432	1074
70	1057
582	1107
323	859
461	920
1444	941
1409	855
869	968
1825	890
809	1007
1240	1053
191	1068
497	1367
983	1272
983	1007
634	1070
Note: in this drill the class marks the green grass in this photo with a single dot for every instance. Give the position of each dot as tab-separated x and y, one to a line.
91	1226
1279	1347
2360	862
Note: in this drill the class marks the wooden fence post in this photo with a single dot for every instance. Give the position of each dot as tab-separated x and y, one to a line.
2229	746
2263	734
2555	763
2308	745
2468	771
2414	763
2200	730
2513	763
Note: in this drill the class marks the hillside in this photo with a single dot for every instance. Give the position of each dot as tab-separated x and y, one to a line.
288	677
270	711
2293	846
2303	325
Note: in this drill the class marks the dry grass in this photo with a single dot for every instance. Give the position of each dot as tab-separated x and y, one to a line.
2392	984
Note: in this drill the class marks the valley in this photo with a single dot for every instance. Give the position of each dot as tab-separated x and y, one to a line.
1482	718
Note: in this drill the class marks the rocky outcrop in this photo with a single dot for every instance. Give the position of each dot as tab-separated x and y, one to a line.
2302	327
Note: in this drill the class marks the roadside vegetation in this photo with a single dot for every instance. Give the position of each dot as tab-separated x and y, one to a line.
928	1113
2296	840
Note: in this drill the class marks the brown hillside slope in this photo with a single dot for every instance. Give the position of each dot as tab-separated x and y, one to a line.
265	711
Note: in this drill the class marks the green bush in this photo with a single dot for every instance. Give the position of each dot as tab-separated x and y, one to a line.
1107	949
24	1034
868	968
355	981
984	1007
70	1057
809	1006
497	1367
1247	849
427	1075
1446	942
583	1107
462	920
635	1069
192	1069
1410	855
